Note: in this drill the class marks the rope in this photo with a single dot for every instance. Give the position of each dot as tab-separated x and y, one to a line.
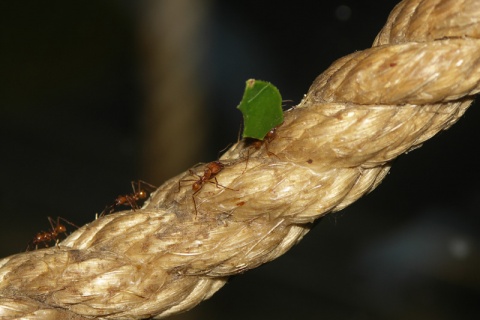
334	147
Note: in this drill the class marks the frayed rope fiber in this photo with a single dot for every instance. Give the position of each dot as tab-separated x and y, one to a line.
334	147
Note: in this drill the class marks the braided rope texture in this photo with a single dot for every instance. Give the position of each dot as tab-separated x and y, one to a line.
334	147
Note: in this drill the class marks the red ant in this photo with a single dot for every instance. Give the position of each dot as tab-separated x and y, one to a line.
56	229
131	199
210	172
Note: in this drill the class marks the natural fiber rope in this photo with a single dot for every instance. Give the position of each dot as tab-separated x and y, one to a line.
337	145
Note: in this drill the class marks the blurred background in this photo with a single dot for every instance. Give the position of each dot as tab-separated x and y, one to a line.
96	94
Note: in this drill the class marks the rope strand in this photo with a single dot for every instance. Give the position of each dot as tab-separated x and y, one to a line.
334	147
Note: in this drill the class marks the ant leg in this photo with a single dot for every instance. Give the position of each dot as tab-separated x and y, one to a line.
138	188
246	162
218	185
268	152
144	183
51	223
188	180
108	209
216	182
135	190
66	221
180	184
195	202
195	205
239	134
180	181
132	203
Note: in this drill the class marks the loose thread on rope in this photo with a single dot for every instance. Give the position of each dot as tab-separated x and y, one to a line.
334	147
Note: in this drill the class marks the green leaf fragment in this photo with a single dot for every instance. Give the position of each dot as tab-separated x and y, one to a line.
261	107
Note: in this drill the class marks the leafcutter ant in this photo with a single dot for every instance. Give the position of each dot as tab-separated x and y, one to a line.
56	229
141	191
210	172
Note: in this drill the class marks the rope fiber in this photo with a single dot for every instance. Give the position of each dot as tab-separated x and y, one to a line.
334	147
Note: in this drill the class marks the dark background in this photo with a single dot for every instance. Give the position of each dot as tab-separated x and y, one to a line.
72	96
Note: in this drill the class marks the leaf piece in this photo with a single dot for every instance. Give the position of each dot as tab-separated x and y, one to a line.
261	107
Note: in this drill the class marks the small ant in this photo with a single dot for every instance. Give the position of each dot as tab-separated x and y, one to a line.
210	172
139	193
56	229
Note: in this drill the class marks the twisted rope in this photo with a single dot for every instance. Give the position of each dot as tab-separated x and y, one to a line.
335	146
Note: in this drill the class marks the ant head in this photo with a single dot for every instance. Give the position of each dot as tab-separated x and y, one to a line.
142	194
61	228
271	134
